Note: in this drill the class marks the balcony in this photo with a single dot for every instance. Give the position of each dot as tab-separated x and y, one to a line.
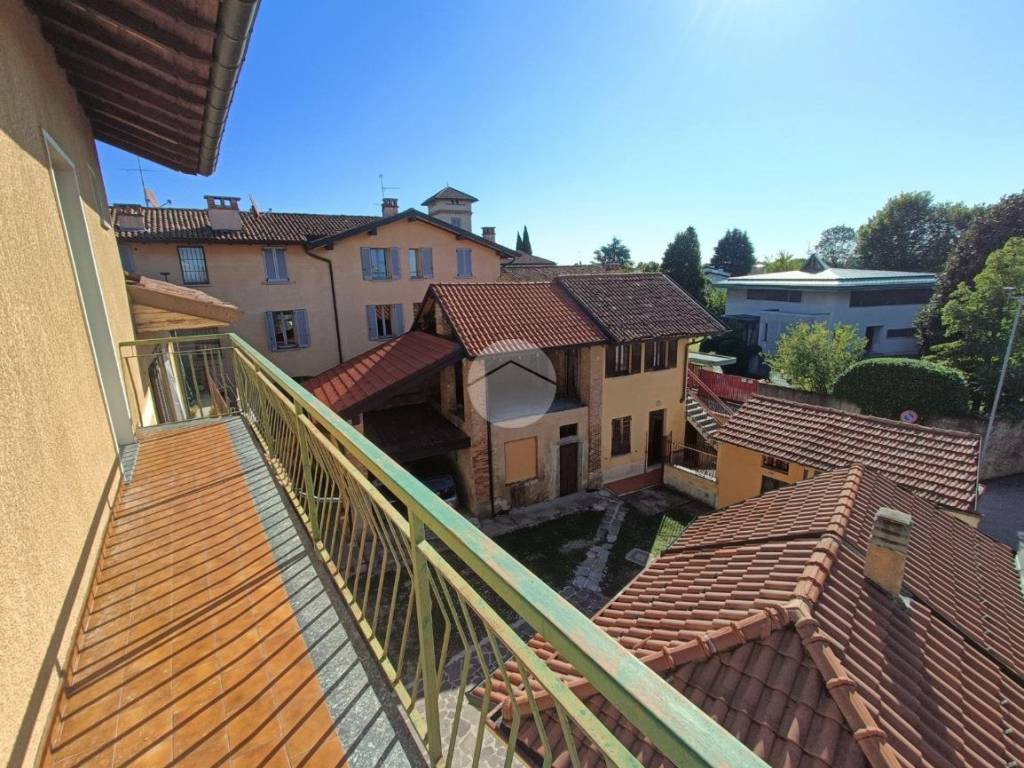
259	601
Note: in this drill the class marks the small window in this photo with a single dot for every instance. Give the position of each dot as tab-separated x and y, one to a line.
659	355
899	333
769	484
457	221
384	320
415	263
287	329
773	294
379	265
520	460
892	297
774	464
464	262
568	430
621	443
193	265
623	359
275	265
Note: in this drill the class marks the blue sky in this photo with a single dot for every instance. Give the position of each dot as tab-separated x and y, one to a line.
587	120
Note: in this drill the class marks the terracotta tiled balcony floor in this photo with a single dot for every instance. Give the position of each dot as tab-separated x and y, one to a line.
211	638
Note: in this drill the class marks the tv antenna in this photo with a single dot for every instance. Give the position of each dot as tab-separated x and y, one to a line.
147	194
384	190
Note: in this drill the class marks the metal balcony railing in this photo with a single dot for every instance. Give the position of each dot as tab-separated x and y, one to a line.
424	616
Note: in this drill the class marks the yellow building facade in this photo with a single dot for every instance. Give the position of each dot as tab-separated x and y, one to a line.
744	473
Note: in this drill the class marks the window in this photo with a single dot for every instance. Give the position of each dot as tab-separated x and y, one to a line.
568	430
620	436
275	264
899	333
193	265
659	355
774	294
774	464
890	298
769	484
287	329
379	264
520	460
464	261
415	263
384	320
623	359
457	221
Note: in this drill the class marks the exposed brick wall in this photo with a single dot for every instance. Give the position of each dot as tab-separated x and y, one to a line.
591	381
476	427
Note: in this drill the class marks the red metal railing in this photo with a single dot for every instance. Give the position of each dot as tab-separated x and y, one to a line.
725	386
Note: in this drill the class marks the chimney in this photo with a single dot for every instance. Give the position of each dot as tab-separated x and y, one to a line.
489	233
886	557
223	213
131	218
389	207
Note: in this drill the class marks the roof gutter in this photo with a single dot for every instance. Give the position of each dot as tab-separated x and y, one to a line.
234	30
334	299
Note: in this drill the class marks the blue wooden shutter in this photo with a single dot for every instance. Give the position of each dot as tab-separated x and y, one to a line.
396	262
426	262
371	320
364	255
302	327
268	264
282	265
397	320
271	334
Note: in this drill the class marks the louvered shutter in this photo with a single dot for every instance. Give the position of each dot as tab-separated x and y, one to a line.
302	327
371	320
396	262
397	319
609	360
635	350
649	354
672	344
427	262
269	265
282	265
364	256
627	439
271	334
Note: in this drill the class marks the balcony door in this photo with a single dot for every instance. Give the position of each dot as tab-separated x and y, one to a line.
90	294
656	438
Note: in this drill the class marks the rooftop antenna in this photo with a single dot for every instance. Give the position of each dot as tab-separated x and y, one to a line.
147	194
255	207
384	190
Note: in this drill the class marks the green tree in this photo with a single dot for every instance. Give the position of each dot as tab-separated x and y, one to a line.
989	231
911	233
527	248
614	254
837	246
810	356
715	301
734	253
976	321
681	262
783	261
647	266
519	241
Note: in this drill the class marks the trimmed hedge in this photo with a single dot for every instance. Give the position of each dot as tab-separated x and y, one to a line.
887	386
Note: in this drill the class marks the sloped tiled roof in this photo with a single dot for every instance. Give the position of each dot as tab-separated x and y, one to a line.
940	465
516	272
449	193
192	225
523	259
760	614
350	387
640	305
509	317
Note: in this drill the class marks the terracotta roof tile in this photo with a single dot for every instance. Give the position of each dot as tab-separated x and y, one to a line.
351	386
509	317
940	465
640	305
841	674
192	225
532	272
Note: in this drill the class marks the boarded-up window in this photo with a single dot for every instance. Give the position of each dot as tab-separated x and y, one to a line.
520	460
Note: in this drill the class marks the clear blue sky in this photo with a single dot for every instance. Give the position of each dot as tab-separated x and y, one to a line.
587	120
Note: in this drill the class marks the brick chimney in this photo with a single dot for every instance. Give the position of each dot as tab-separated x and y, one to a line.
886	557
223	213
489	233
389	207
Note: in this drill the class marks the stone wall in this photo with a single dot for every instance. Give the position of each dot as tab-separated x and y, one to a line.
1005	455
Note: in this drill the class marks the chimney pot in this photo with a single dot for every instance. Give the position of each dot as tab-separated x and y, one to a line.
489	233
389	206
223	213
886	557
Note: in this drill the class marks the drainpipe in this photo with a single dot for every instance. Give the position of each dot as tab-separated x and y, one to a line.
334	299
490	466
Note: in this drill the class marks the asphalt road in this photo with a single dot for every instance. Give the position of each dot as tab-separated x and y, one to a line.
1002	509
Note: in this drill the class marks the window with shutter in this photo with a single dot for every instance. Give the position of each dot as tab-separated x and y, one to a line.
464	262
383	320
376	264
620	435
283	330
275	264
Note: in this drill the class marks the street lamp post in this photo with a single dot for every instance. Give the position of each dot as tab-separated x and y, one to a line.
1002	373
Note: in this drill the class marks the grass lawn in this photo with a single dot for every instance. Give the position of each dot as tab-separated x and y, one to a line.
651	533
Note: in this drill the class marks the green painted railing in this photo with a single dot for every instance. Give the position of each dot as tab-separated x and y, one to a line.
450	656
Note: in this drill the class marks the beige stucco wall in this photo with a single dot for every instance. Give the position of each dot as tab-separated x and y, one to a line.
637	395
740	472
237	275
58	455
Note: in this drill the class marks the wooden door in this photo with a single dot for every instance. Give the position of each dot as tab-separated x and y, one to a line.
655	434
568	468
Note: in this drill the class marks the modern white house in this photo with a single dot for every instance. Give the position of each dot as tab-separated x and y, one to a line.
881	304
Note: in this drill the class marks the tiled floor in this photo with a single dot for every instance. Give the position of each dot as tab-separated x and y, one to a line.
211	639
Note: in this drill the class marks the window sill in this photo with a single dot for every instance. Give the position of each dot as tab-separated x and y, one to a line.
289	349
464	277
277	282
194	285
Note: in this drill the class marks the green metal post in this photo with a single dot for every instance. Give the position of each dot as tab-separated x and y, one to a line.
307	471
425	628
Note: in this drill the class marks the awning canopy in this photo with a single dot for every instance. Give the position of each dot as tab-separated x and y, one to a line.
159	306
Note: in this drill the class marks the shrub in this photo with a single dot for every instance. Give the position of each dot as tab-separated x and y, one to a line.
887	386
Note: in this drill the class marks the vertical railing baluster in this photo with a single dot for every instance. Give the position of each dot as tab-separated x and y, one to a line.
312	509
425	630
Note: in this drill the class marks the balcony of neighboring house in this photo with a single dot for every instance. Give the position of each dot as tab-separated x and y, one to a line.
260	601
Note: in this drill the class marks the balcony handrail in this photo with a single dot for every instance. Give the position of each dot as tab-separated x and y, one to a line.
674	725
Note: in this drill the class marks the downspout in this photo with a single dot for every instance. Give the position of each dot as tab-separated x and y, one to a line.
334	299
490	466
